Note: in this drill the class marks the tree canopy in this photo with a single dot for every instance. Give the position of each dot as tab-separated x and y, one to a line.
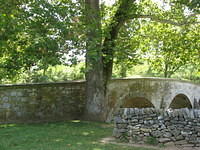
36	34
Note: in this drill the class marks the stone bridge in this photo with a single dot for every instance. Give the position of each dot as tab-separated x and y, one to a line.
64	101
152	92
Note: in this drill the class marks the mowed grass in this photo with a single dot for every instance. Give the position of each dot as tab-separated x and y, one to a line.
71	135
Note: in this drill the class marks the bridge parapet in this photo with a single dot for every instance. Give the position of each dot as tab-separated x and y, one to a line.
66	100
152	92
41	102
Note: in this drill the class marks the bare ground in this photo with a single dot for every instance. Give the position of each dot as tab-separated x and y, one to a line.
111	140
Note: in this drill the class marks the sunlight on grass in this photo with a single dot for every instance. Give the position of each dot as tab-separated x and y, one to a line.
97	149
79	143
94	142
58	140
7	125
76	121
85	133
72	135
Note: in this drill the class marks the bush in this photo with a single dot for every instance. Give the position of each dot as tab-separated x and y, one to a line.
151	140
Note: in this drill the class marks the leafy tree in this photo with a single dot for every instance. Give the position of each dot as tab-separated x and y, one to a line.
36	33
169	48
99	57
41	33
99	70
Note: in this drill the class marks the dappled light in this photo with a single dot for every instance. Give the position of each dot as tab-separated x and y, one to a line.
85	133
79	143
7	125
63	136
59	140
76	121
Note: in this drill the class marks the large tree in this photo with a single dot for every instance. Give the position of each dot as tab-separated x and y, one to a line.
101	49
100	54
39	33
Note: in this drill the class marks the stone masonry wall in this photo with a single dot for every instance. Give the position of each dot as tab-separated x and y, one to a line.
41	102
181	126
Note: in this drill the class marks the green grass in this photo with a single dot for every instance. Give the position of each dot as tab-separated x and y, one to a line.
73	135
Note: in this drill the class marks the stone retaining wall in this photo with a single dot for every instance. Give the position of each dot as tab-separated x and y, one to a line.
181	126
41	102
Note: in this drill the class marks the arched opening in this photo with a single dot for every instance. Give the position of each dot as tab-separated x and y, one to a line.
137	102
180	101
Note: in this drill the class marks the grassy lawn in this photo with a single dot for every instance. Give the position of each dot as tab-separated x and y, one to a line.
73	135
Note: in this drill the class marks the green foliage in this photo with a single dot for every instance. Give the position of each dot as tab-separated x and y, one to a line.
36	33
56	73
44	34
168	48
190	72
193	5
151	140
139	70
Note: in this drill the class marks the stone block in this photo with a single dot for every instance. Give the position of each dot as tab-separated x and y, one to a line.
116	133
145	130
181	142
5	98
186	133
179	137
164	140
188	145
146	134
167	135
169	144
156	134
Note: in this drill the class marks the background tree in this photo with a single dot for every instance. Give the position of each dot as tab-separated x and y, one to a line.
38	33
168	48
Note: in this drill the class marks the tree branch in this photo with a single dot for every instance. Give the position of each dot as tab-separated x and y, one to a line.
157	19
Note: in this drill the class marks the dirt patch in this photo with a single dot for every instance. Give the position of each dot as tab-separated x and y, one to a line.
112	140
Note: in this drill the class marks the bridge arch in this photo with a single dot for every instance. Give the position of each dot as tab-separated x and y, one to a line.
161	93
137	102
180	101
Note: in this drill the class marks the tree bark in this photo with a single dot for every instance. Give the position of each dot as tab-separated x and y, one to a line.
94	66
121	15
99	57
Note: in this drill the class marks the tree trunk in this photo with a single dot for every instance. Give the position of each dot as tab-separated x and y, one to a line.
121	15
99	57
94	67
123	71
166	70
